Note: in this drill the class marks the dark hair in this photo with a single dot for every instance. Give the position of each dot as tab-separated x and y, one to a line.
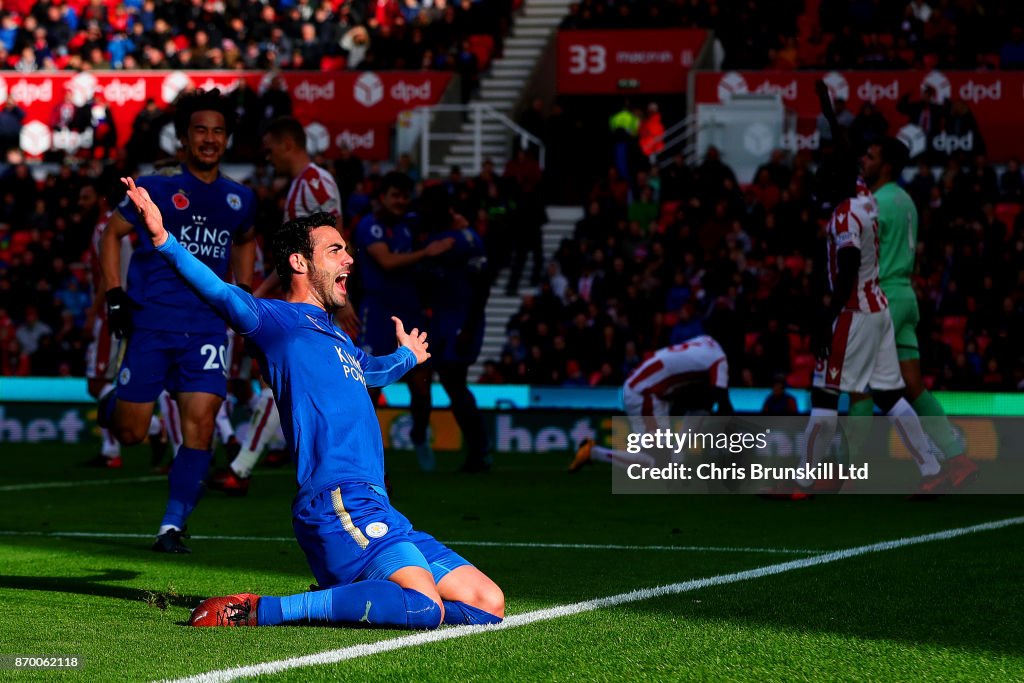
397	180
287	126
435	207
202	100
894	153
295	237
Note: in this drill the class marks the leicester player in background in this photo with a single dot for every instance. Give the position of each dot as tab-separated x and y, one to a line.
176	341
369	562
387	255
457	288
897	237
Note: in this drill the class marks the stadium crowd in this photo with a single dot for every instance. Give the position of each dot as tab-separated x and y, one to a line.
249	34
661	254
838	34
665	253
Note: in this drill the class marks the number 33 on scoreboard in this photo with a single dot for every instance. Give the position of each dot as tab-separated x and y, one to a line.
587	59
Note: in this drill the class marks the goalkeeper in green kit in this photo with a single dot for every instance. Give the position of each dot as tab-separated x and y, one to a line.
897	233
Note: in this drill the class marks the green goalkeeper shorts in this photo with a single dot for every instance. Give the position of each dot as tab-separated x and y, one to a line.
905	316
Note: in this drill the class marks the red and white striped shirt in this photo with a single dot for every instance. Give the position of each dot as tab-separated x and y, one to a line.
94	256
700	360
854	223
312	190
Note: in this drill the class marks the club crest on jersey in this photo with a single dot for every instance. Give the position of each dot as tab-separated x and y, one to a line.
180	200
234	201
126	376
376	529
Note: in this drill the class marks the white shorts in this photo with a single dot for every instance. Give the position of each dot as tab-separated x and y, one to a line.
644	410
103	355
863	355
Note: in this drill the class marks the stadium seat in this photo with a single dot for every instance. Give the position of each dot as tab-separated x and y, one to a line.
982	340
1007	213
953	328
333	63
482	45
749	340
803	371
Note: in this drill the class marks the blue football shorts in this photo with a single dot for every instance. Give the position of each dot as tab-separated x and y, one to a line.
155	360
352	533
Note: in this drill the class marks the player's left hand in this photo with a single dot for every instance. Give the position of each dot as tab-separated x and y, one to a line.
415	340
148	211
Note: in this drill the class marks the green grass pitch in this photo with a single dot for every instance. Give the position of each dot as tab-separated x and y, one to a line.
944	610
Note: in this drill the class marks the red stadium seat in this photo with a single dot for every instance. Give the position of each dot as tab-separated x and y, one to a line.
953	328
482	45
333	63
982	341
1007	213
803	371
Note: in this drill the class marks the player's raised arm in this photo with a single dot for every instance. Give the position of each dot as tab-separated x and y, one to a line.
237	307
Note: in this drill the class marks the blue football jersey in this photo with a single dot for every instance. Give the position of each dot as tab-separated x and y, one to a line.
392	286
205	218
455	274
318	375
455	279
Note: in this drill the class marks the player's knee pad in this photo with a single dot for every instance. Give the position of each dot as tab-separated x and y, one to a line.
885	400
824	398
421	611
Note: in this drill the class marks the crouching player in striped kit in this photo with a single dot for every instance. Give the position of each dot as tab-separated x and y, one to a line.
687	378
372	565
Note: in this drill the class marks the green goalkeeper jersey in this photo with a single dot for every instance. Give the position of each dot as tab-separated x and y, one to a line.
897	237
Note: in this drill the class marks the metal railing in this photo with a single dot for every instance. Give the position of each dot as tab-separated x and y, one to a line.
426	119
680	137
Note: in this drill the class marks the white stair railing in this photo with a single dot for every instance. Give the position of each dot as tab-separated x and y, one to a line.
423	119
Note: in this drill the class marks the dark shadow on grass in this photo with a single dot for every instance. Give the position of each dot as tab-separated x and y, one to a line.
94	585
960	594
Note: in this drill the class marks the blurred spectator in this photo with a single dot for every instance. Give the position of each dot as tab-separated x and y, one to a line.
843	116
144	144
31	331
780	402
11	116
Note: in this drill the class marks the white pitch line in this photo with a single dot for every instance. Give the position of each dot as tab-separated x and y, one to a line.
82	482
477	544
402	642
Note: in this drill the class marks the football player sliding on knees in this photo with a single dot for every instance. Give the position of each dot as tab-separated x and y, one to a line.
370	564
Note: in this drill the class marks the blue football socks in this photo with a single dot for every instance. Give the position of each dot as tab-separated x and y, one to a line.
463	614
379	603
186	483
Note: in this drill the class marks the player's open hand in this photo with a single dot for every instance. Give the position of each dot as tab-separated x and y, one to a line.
148	211
415	340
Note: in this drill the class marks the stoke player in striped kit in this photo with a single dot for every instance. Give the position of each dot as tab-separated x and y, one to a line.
312	190
688	377
854	341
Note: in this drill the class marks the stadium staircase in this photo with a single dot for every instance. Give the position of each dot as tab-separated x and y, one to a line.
502	86
561	223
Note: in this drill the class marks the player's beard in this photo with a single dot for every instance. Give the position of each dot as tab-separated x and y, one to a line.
322	283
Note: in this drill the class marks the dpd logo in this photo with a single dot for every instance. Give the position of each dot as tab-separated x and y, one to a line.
369	90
